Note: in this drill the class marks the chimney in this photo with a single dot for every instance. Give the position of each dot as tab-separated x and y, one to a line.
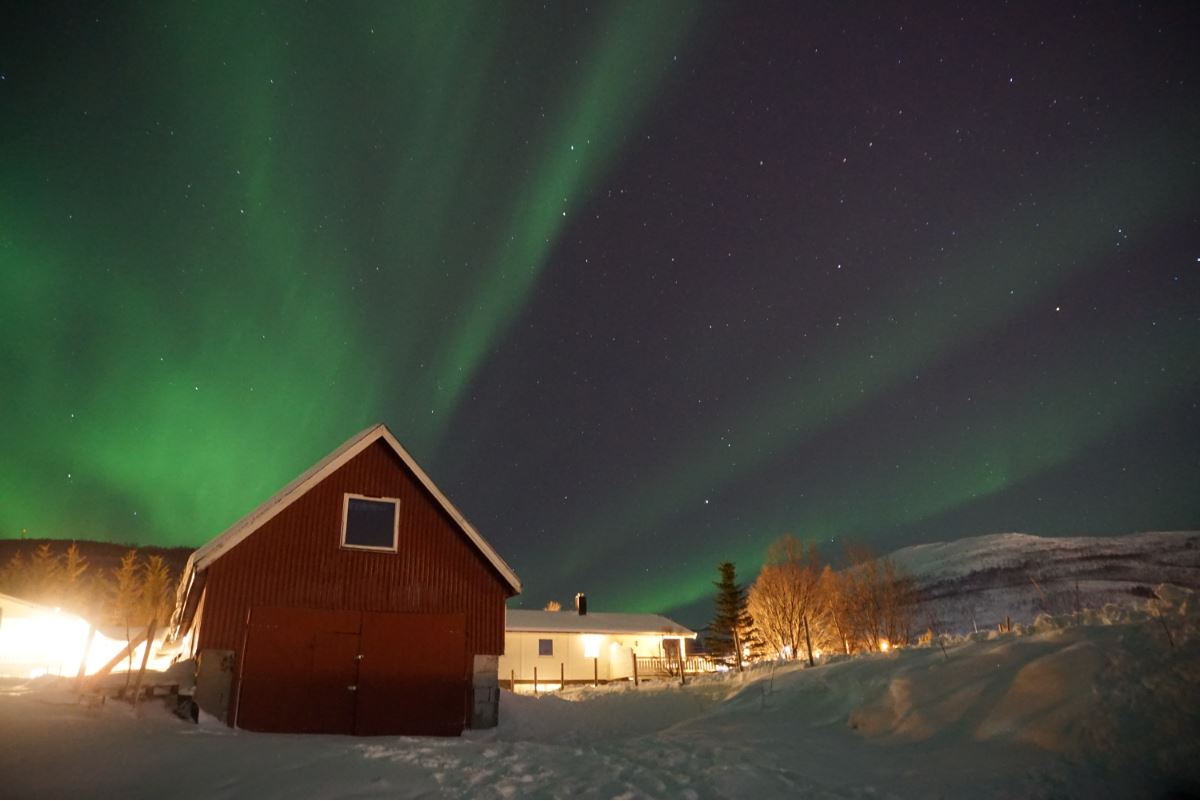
581	603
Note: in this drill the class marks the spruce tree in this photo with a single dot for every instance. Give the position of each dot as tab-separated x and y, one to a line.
74	590
45	575
156	591
14	576
155	603
127	598
731	629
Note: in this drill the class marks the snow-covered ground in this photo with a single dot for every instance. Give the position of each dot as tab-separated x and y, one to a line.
978	581
1102	707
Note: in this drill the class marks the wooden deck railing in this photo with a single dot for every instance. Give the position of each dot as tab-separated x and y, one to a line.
670	666
647	667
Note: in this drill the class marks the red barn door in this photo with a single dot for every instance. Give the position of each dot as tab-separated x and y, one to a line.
413	675
298	671
365	673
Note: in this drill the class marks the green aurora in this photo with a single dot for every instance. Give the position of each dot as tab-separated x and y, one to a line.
921	321
180	309
232	235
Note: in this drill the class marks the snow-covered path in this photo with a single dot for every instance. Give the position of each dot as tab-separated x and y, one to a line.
1094	710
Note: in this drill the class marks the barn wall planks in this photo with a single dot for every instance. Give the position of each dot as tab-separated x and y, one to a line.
296	560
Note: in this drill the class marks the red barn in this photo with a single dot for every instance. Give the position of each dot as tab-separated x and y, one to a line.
357	600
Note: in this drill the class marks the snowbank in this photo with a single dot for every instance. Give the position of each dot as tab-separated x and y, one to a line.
1068	708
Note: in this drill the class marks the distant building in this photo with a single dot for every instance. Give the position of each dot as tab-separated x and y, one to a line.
582	647
357	600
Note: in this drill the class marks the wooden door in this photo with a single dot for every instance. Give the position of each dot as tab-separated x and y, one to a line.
413	678
299	671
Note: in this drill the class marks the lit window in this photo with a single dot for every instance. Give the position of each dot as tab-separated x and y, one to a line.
591	645
545	647
370	523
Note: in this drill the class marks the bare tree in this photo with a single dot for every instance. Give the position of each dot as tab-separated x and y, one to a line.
784	597
880	601
835	603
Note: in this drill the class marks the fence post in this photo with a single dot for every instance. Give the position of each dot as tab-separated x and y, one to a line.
512	681
535	687
562	677
633	654
595	671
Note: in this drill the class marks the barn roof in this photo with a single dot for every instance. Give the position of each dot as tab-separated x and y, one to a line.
214	549
593	623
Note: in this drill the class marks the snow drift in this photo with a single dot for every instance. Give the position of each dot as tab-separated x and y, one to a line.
1100	704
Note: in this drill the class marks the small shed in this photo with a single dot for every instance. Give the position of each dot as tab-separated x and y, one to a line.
545	650
356	600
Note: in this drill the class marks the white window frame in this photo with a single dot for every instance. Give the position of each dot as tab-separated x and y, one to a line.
346	496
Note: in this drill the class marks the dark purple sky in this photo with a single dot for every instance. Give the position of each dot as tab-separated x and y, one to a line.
642	286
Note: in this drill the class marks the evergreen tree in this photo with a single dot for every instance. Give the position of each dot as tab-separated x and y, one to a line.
732	629
156	591
126	591
14	576
45	574
126	596
74	590
155	607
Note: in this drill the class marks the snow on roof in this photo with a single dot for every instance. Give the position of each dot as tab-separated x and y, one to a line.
593	623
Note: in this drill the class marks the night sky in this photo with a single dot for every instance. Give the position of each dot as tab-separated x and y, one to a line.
642	286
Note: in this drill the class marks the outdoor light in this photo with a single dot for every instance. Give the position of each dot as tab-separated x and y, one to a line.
53	642
591	645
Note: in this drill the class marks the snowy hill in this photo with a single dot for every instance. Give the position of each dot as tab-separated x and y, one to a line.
1102	708
977	581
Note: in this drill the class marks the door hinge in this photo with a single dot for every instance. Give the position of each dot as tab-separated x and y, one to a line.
352	688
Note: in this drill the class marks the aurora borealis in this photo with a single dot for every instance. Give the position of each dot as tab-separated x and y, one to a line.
643	286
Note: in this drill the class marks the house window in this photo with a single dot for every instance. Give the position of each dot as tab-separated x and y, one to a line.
591	645
545	647
370	523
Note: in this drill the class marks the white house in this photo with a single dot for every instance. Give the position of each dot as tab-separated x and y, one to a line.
581	647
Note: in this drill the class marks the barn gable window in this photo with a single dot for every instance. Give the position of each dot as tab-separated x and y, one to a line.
370	523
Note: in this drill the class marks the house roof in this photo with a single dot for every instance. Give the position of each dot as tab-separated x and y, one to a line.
220	545
593	623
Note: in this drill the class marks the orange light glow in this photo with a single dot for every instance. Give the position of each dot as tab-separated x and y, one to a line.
46	641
